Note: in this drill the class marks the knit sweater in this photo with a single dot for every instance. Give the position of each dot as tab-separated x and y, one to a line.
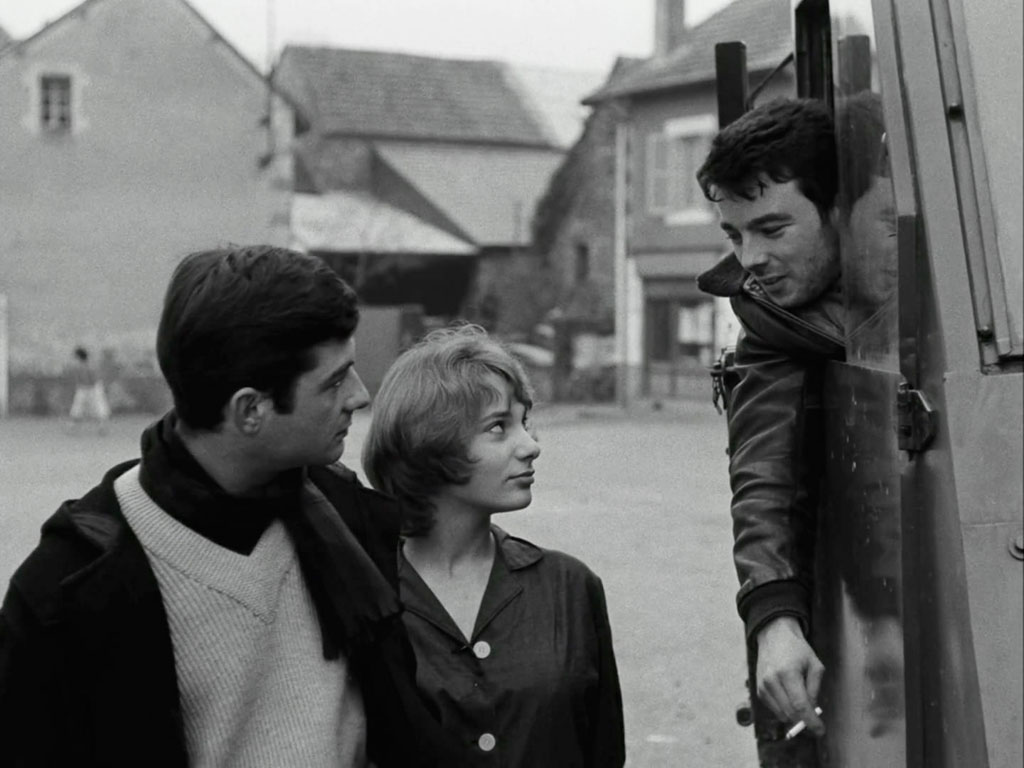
255	688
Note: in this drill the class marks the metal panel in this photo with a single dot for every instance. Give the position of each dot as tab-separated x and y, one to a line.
971	196
945	269
995	582
985	424
952	729
988	39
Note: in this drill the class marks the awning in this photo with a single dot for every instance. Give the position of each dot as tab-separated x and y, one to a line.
489	192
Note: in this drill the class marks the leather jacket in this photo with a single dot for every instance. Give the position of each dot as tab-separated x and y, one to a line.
775	442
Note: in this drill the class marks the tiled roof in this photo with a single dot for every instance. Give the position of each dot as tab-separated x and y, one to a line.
488	192
764	25
395	95
357	222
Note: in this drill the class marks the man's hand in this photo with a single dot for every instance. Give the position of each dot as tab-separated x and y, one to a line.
789	673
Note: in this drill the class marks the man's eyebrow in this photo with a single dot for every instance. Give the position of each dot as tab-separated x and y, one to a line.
341	370
770	218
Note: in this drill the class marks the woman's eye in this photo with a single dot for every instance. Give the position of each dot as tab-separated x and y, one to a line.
772	231
497	428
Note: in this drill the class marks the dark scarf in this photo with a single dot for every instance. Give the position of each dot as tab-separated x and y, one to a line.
181	487
350	595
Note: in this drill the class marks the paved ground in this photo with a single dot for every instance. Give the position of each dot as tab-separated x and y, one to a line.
641	497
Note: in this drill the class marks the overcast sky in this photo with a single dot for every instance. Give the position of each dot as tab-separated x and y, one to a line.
573	34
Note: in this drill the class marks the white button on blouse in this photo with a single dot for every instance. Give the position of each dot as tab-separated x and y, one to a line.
482	649
487	742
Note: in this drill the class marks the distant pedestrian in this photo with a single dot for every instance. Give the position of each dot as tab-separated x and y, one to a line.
512	641
90	400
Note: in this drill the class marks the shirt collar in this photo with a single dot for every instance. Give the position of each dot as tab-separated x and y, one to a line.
503	587
518	553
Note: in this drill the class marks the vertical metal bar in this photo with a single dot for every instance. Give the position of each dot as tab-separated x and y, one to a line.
970	215
814	51
1007	339
901	152
731	81
854	64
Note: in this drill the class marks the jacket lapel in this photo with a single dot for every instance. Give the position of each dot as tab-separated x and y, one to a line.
119	644
355	598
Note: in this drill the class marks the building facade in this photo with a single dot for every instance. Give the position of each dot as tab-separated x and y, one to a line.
446	158
668	332
133	135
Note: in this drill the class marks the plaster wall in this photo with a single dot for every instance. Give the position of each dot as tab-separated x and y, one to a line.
163	158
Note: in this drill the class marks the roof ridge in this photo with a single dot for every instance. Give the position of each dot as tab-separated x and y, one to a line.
382	52
80	7
377	93
687	64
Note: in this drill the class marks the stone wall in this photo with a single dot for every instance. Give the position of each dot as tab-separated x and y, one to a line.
578	215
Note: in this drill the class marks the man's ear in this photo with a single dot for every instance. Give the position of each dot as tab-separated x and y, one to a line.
246	411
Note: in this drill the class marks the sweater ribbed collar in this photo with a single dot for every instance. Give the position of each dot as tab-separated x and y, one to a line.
352	597
180	486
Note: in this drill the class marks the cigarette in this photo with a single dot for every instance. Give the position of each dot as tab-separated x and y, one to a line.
797	729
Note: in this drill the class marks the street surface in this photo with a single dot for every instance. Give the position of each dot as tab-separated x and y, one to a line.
641	497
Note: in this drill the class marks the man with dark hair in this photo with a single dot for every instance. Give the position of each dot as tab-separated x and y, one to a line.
867	227
230	599
773	177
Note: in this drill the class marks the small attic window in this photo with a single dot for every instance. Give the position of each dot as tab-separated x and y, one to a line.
55	103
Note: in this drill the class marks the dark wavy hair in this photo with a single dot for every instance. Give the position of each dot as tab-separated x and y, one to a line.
782	140
425	412
860	135
247	317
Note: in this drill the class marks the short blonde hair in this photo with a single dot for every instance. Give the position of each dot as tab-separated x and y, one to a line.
425	412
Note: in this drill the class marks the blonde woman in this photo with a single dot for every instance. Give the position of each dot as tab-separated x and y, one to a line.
512	641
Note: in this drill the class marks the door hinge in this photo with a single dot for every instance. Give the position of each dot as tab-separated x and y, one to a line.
917	420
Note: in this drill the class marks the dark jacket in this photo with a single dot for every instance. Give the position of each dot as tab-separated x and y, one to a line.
775	443
536	685
87	674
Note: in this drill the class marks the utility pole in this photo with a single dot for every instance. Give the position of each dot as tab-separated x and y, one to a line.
4	351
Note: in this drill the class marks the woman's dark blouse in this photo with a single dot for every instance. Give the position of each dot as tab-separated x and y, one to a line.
536	685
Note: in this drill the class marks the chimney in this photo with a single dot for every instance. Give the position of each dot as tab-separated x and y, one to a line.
669	26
